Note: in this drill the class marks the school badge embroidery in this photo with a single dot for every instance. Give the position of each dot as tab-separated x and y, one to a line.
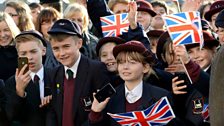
198	105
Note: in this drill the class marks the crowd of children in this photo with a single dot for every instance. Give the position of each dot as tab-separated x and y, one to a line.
69	60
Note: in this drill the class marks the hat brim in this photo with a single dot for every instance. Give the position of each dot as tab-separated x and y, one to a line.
151	12
44	42
208	43
219	24
133	48
208	15
105	40
62	31
160	44
155	33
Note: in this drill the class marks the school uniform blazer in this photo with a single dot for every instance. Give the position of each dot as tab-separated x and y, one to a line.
91	75
151	94
3	118
24	110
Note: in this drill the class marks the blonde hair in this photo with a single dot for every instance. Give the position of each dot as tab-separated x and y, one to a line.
24	13
11	24
77	8
27	38
112	3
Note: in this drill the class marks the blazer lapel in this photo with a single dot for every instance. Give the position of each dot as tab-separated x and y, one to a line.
58	87
147	98
47	85
80	81
120	101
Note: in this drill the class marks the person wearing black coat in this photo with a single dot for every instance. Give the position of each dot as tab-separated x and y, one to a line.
3	118
28	92
75	80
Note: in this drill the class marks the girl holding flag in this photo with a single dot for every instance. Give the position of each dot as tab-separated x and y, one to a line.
188	101
134	62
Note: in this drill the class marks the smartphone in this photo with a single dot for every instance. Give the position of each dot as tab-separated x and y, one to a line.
105	92
182	76
22	61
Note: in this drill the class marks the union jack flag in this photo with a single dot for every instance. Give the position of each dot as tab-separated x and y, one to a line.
114	25
184	28
205	113
159	113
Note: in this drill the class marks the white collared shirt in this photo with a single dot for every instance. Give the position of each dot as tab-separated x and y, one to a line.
206	68
73	68
40	74
135	94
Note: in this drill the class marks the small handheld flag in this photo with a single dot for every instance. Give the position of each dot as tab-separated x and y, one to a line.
159	113
114	25
184	28
205	113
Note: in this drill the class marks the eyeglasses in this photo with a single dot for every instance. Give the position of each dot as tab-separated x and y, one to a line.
13	15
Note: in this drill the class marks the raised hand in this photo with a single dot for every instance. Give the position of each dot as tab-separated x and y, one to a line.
191	5
98	107
22	80
132	15
181	52
176	86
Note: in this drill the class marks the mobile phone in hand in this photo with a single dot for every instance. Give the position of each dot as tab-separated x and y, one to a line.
105	92
182	76
22	61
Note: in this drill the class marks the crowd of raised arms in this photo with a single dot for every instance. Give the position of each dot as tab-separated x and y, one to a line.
59	67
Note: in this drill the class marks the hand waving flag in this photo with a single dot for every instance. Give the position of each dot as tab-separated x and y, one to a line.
114	25
159	113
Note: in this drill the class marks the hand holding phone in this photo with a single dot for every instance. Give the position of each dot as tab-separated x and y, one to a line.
22	61
182	76
105	92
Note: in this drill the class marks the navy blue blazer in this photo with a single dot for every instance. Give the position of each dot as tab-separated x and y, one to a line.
151	94
26	110
91	75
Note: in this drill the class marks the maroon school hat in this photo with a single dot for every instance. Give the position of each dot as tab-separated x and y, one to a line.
155	33
116	40
143	5
209	41
215	8
160	44
134	46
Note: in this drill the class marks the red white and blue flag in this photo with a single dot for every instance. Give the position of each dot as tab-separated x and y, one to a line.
205	113
114	25
159	113
184	28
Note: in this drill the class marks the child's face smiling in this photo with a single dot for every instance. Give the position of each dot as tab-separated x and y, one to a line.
131	71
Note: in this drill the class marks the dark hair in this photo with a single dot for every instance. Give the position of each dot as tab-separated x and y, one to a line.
34	5
160	4
47	15
202	8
